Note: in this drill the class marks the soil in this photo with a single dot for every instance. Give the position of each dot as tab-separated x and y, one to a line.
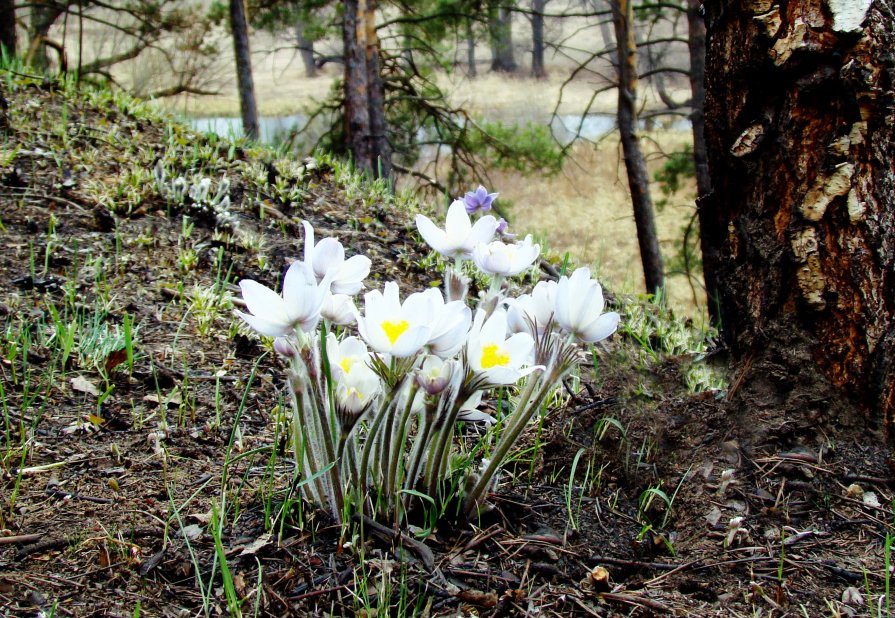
113	469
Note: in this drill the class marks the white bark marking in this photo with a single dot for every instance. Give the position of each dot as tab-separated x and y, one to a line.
848	15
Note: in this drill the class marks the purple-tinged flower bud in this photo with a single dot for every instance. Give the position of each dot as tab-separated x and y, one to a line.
503	228
283	347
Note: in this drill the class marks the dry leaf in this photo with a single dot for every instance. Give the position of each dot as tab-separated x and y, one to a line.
115	358
83	385
260	543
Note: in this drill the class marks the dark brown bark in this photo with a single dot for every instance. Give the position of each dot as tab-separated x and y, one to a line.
8	26
500	25
470	50
380	151
245	84
635	163
537	39
305	50
696	43
43	16
800	134
357	113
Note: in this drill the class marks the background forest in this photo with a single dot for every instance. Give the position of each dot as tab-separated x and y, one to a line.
202	413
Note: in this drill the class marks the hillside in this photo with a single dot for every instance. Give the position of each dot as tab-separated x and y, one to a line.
145	467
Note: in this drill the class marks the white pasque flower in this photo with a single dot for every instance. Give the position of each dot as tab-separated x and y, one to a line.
299	306
390	327
338	309
345	355
494	357
459	236
328	257
507	260
450	324
435	374
469	411
532	310
357	388
579	308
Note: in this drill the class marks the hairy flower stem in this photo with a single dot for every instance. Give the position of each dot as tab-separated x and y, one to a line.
371	439
525	410
398	450
304	443
439	455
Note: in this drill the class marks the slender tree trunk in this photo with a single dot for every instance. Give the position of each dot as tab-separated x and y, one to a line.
500	24
799	124
380	150
305	49
537	39
357	114
245	83
635	163
43	15
696	43
8	26
470	50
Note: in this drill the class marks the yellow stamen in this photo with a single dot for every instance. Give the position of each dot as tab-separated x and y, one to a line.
492	356
393	330
346	363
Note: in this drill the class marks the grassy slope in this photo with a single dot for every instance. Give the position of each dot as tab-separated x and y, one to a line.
135	405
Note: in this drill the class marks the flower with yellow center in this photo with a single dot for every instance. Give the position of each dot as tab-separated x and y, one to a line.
344	356
391	327
493	356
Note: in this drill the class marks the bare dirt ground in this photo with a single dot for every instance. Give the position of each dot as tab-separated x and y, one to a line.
115	478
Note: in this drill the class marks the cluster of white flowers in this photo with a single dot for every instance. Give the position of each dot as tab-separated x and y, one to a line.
197	195
375	414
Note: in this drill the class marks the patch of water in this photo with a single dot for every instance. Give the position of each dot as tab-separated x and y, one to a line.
564	127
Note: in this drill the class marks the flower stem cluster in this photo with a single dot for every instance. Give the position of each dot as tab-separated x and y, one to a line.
375	413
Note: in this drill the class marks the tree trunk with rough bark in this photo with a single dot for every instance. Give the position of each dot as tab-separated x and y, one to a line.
43	16
380	150
500	25
696	44
471	70
537	39
366	127
799	122
305	49
245	84
357	114
8	26
635	163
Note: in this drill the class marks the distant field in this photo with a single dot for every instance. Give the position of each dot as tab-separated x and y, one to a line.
585	210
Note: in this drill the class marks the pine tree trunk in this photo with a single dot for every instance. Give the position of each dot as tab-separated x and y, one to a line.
357	113
43	16
245	84
500	23
306	50
635	163
380	150
8	26
470	50
537	39
696	44
799	100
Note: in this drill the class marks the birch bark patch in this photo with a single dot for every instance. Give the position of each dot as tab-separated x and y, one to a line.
824	190
848	15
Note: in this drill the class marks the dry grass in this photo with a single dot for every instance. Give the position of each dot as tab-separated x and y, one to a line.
586	210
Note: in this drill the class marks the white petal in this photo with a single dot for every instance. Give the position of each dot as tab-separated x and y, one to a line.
600	328
457	224
434	237
262	301
265	327
309	242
